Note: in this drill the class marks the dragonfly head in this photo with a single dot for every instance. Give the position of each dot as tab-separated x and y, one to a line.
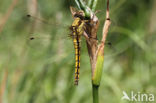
77	13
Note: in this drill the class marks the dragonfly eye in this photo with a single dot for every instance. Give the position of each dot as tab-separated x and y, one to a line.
79	16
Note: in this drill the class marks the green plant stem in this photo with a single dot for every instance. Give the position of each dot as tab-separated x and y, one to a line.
81	5
90	3
95	94
94	5
97	75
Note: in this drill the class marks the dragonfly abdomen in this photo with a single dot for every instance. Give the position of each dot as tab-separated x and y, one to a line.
77	47
77	29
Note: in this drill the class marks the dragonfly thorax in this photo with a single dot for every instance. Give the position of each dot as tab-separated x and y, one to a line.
78	25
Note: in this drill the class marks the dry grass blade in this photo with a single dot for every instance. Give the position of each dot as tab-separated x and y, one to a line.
3	85
7	15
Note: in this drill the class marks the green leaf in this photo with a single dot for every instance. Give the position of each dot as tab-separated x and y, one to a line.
98	70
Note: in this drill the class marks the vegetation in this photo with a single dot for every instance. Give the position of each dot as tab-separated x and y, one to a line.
42	70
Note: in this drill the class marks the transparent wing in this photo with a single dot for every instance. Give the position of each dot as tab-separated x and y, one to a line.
43	29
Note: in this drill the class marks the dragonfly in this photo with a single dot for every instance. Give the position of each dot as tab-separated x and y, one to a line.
77	29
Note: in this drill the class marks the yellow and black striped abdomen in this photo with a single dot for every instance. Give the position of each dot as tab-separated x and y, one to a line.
77	30
77	47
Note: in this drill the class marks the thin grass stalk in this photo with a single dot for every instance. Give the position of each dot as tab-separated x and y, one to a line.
7	15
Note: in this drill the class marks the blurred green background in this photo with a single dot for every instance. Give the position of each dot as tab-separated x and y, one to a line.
42	70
